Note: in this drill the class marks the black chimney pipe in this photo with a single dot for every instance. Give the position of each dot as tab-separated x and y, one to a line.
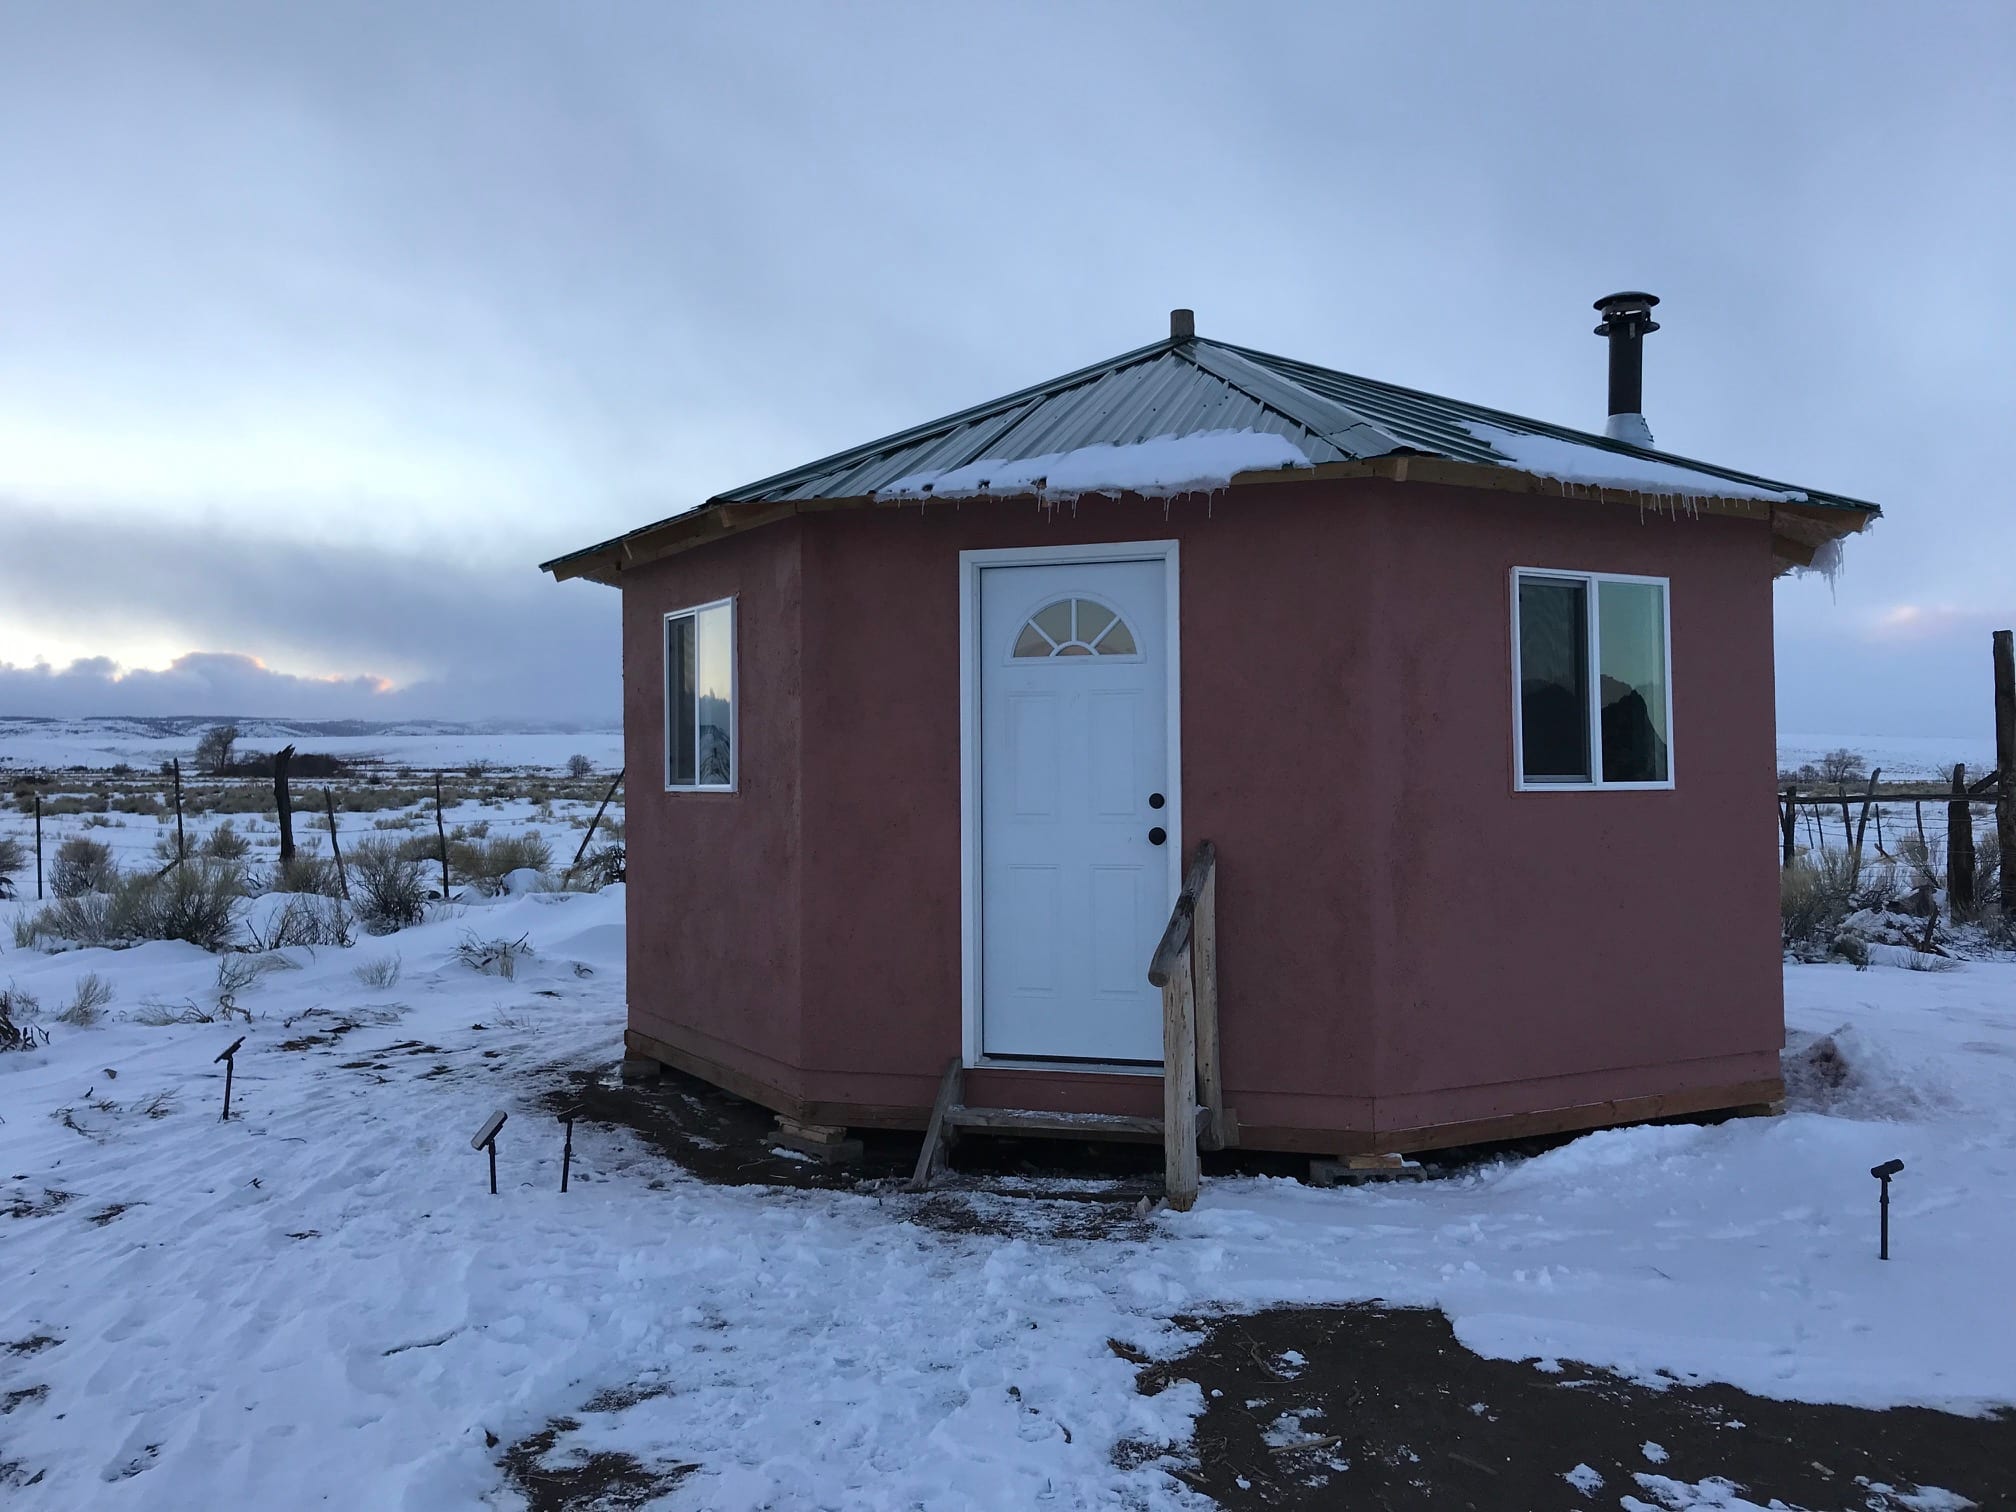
1627	321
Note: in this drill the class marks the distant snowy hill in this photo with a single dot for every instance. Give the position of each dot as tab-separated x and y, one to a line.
31	743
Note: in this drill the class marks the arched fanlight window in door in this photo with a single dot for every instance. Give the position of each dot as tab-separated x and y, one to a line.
1075	627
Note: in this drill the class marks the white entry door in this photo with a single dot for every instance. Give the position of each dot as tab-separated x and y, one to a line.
1076	808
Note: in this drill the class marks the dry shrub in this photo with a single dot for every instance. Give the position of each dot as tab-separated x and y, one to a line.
380	974
493	957
17	1009
305	871
385	886
13	859
225	843
82	866
306	919
193	902
87	1004
485	864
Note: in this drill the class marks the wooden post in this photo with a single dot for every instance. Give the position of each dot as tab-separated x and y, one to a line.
181	845
342	882
1788	821
282	758
1918	808
441	829
1959	848
937	1133
1862	828
38	845
1204	953
1179	1087
2005	765
591	825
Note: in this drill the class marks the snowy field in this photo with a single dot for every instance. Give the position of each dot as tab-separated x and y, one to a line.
31	744
320	1302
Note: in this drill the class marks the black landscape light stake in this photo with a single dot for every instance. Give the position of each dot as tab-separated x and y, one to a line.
567	1150
486	1139
1883	1173
226	1055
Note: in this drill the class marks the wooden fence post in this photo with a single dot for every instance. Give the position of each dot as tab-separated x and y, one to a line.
2005	765
283	802
181	845
1862	828
441	830
1959	848
1788	820
342	882
38	845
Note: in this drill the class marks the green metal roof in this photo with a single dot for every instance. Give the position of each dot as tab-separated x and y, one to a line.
1190	385
1187	385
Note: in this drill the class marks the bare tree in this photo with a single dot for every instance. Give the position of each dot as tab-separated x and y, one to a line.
215	750
579	766
1843	766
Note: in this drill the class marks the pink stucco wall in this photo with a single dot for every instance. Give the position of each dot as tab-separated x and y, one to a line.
1404	941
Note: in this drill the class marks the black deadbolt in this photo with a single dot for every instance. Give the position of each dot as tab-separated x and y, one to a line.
1157	835
1155	800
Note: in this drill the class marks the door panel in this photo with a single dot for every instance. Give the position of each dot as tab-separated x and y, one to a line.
1073	739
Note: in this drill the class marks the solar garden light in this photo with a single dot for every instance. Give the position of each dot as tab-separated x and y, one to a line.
486	1139
226	1055
567	1150
1883	1173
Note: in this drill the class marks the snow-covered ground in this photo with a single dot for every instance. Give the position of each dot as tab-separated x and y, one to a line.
319	1302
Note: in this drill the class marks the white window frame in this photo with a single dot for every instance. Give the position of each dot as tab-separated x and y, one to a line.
1594	628
692	611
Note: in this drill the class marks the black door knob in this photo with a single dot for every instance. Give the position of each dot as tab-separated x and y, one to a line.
1157	835
1155	800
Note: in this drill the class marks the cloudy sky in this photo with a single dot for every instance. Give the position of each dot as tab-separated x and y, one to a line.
321	325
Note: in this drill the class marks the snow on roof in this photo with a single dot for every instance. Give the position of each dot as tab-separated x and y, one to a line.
1159	467
1599	467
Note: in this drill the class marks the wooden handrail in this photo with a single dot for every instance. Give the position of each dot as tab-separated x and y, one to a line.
1185	967
1176	935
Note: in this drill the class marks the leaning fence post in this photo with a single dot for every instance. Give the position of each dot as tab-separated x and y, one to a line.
1862	827
342	882
441	830
38	845
592	823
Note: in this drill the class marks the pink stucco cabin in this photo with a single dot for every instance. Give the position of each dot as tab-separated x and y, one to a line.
1476	713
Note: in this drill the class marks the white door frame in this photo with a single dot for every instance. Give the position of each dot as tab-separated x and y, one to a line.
971	564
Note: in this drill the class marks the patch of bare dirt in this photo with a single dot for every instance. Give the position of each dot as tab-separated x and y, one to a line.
1366	1406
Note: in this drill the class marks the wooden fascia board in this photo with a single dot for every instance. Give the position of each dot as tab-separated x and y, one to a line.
706	524
1807	524
1795	527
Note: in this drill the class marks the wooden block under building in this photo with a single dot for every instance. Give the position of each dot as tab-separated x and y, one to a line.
1354	1170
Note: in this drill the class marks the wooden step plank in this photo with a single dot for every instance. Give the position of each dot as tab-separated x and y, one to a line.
1042	1121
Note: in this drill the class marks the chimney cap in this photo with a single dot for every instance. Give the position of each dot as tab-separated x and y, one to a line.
1182	324
1631	310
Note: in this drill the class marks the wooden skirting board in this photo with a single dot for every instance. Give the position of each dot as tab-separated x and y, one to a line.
1726	1097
